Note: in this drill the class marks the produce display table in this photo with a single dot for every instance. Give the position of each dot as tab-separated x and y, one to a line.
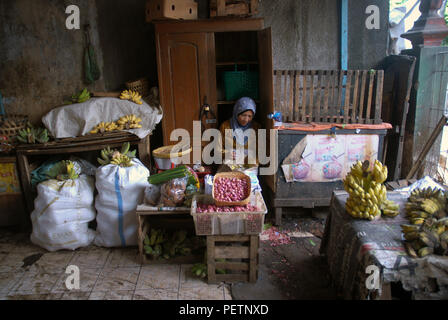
69	146
351	245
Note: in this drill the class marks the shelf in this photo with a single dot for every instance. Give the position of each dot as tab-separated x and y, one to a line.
231	63
231	102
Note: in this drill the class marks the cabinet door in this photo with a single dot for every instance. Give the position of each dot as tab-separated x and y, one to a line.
186	78
267	94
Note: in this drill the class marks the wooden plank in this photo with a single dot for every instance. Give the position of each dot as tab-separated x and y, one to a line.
291	95
340	93
253	6
310	116
347	95
253	256
362	96
304	93
318	96
369	97
243	266
355	97
232	238
211	270
379	96
231	252
278	90
285	94
326	95
296	96
221	7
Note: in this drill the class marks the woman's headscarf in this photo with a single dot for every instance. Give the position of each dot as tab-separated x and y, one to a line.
242	105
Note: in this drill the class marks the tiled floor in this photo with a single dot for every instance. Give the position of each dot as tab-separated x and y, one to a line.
28	272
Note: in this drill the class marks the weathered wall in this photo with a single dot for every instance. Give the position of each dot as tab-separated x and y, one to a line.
40	60
305	33
366	48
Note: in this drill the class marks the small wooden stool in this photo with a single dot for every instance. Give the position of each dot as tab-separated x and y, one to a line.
243	248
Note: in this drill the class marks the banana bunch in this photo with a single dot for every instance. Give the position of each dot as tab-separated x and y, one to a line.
129	122
426	203
430	237
199	270
131	95
379	172
159	244
121	158
68	171
32	135
103	127
81	97
367	193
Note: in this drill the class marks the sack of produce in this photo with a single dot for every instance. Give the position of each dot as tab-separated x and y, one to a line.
63	209
121	182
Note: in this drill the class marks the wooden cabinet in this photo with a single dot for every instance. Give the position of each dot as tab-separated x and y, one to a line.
191	58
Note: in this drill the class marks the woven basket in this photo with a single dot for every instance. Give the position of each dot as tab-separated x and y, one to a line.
230	175
139	85
11	125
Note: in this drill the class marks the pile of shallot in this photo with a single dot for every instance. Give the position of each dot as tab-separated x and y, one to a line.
206	208
230	189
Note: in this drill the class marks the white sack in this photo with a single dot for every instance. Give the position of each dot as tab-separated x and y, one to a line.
120	191
79	119
63	210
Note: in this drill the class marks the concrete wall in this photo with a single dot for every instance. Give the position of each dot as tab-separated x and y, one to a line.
40	60
305	33
366	48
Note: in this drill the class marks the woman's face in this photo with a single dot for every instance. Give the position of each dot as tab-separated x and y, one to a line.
245	117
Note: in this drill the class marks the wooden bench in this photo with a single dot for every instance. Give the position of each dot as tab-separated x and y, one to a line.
338	96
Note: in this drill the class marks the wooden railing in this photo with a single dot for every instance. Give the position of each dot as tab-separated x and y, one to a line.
339	96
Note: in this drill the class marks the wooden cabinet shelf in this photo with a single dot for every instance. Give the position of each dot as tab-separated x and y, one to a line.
191	58
222	102
232	63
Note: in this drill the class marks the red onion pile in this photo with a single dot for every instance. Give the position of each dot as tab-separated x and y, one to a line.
208	208
230	189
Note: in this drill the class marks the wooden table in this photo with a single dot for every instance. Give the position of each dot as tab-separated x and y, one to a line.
351	245
69	146
168	218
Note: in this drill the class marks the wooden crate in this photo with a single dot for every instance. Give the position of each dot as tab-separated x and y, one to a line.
179	218
171	9
241	255
337	96
11	198
220	8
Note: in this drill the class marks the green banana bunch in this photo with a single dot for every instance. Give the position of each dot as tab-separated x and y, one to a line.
81	97
32	135
68	171
199	270
123	158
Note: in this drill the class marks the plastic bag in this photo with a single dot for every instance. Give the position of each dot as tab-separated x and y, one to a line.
172	193
152	194
208	184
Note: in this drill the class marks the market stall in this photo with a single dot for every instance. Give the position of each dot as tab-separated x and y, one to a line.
353	246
